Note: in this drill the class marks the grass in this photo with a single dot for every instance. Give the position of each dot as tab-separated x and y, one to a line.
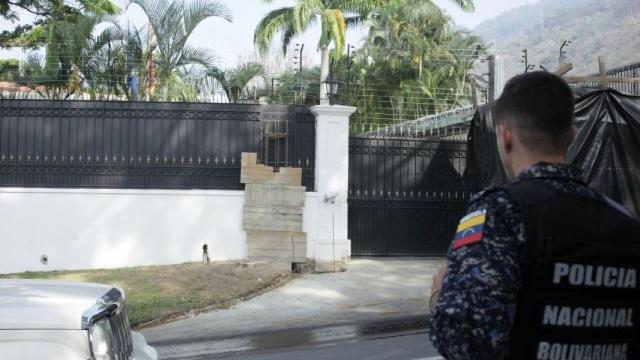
157	292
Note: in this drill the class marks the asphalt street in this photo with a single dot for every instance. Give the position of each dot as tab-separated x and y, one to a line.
412	346
400	338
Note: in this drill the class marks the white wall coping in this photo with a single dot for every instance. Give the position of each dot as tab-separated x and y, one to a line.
109	191
333	110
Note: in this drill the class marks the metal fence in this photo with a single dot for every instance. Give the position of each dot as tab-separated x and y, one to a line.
110	144
628	71
405	195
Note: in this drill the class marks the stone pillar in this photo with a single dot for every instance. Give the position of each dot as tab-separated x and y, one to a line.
332	246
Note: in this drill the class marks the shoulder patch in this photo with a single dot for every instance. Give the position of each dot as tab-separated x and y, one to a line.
470	229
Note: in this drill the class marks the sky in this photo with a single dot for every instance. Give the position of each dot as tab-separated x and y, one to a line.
234	41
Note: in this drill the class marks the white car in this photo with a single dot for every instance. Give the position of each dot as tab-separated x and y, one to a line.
42	319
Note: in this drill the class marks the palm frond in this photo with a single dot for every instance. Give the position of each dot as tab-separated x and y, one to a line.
361	7
303	13
198	10
465	5
192	55
274	22
334	29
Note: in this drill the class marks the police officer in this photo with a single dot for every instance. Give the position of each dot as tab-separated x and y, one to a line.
544	268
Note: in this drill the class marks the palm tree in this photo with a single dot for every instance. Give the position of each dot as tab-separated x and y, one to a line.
173	21
75	59
236	83
334	17
414	62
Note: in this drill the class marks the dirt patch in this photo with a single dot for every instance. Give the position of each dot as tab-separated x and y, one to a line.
157	294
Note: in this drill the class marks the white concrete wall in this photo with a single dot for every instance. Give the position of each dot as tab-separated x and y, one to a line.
105	228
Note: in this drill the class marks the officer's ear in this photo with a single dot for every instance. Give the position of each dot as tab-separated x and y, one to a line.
505	137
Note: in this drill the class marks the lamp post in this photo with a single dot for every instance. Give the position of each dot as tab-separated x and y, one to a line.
331	87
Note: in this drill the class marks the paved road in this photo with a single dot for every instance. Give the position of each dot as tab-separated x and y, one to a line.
400	338
412	346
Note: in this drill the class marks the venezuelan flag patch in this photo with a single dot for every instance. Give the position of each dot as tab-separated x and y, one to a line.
471	229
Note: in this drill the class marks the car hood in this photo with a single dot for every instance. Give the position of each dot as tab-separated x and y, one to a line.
43	304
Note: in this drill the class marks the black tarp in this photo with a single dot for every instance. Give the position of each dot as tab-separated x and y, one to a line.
607	146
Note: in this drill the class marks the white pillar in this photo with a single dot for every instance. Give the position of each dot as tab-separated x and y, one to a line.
332	246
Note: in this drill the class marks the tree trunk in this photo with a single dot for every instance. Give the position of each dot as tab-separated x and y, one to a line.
324	74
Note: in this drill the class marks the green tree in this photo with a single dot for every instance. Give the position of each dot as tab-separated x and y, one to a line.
173	22
414	62
9	69
46	12
76	60
334	17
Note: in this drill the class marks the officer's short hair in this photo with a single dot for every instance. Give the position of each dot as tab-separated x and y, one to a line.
540	105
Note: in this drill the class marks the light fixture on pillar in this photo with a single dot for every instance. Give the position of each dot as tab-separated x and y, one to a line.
331	87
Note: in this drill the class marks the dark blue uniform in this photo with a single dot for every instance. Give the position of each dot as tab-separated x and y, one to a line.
476	308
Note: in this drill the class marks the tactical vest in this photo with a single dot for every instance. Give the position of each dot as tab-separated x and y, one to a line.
580	295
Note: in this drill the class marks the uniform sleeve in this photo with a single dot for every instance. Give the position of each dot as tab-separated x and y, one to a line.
476	308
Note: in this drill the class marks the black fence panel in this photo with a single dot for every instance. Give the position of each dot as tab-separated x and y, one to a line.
406	196
48	143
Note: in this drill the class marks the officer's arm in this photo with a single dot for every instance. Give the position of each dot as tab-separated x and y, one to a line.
476	308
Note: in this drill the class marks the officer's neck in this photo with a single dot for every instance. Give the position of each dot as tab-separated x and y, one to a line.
526	161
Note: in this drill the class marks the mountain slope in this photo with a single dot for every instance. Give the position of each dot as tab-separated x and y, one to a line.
594	27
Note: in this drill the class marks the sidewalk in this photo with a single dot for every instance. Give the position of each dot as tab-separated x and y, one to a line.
371	290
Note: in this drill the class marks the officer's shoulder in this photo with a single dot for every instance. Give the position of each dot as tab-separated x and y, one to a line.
491	196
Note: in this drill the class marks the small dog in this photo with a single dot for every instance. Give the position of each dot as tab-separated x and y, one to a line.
205	254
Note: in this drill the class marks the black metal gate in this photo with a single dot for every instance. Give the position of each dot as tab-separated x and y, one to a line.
148	145
406	196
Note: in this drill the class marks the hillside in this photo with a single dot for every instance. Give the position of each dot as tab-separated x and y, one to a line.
594	27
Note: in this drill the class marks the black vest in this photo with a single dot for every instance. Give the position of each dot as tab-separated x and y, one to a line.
580	296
